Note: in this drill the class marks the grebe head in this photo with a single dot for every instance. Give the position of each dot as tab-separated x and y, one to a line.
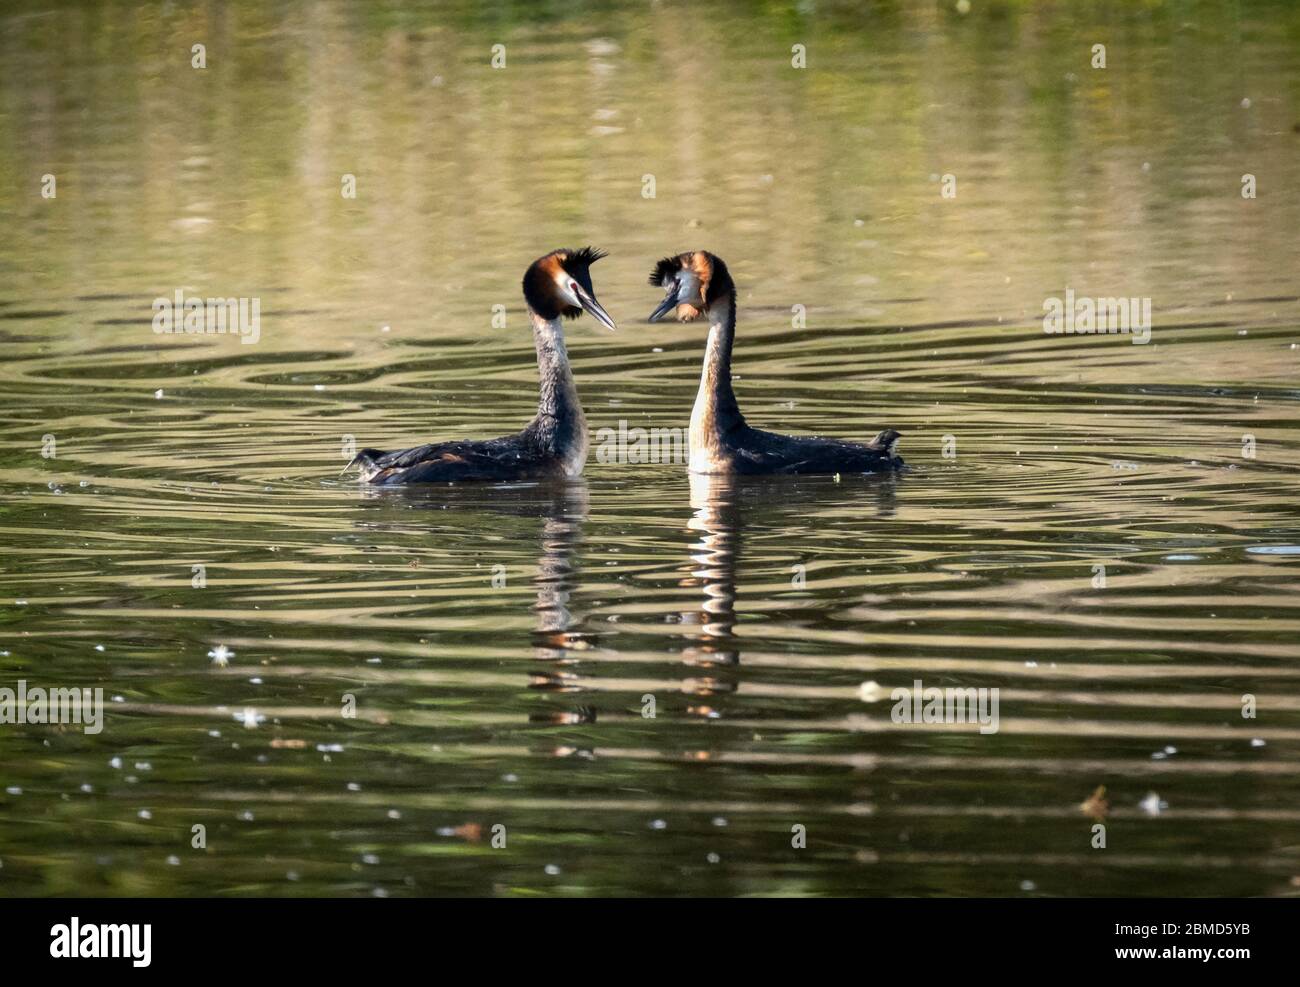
559	284
694	282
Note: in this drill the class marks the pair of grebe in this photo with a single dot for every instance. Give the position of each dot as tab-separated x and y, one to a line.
554	443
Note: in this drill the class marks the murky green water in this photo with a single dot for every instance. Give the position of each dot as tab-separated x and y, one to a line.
751	613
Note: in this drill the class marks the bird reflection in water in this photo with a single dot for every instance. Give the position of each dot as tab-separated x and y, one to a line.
722	506
559	638
562	507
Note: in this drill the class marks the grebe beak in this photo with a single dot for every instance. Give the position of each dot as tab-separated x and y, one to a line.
589	304
667	305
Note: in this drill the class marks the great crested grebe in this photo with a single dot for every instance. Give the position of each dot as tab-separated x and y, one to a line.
554	443
721	441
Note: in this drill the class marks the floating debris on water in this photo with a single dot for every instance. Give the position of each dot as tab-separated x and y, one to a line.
1153	804
1095	805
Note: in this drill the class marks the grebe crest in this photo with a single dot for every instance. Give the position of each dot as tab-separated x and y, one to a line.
559	284
693	283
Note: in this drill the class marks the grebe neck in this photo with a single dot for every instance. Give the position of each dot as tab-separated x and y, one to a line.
716	411
560	423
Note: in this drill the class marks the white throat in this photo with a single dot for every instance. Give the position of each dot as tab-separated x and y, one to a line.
705	448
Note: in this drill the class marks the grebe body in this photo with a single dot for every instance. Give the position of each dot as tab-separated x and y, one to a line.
698	285
554	444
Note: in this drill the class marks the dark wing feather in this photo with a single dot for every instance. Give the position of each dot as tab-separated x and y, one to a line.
508	458
770	452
